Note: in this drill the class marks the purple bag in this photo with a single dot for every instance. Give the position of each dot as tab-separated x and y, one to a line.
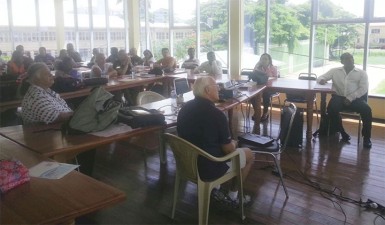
12	174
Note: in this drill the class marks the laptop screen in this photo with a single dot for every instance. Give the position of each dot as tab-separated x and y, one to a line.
181	86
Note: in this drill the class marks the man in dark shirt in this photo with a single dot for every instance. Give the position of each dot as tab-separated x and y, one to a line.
73	54
205	126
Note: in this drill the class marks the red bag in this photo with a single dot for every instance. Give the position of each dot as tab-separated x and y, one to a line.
12	174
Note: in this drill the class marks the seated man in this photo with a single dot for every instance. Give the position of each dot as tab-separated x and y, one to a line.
44	57
135	59
73	54
113	58
351	87
167	63
212	66
205	126
192	62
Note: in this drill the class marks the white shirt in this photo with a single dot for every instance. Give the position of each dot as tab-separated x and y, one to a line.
214	69
352	85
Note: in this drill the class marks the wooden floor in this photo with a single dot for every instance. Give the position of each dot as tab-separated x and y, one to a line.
318	176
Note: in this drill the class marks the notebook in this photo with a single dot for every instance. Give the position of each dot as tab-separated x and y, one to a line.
255	139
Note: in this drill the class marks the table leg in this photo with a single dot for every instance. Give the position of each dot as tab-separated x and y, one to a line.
162	148
257	120
309	113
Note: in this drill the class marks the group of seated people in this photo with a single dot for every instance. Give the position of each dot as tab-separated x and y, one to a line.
121	63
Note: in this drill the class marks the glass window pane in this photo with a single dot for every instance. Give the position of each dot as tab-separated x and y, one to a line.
4	13
379	6
116	21
289	38
159	26
47	26
341	9
214	31
332	41
184	13
47	13
376	64
68	8
24	16
84	44
5	39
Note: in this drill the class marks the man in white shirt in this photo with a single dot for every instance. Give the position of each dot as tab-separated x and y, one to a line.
212	66
351	87
192	62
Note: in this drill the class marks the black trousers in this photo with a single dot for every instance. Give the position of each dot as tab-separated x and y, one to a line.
266	100
359	105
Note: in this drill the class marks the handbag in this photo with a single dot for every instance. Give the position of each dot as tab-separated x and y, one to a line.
136	116
259	77
12	174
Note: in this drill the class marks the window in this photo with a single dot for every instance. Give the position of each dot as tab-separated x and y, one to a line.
375	31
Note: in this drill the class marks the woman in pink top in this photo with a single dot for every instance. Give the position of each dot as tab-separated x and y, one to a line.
265	65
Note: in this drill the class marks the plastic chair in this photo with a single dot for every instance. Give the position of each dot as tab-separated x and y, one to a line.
300	97
186	157
280	143
148	97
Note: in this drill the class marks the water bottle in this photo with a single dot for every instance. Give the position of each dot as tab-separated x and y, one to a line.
174	104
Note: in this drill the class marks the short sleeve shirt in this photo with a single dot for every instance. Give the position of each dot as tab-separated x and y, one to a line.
205	126
42	106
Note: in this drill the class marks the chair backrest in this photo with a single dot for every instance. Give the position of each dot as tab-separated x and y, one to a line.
307	76
186	156
148	97
287	118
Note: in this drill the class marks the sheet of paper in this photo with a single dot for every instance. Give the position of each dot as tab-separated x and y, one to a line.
51	170
323	86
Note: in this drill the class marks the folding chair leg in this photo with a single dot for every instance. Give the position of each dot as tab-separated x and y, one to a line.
280	175
359	131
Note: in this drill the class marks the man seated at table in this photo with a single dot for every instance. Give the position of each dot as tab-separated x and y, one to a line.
44	57
27	60
211	67
113	58
192	62
73	54
167	63
205	126
135	59
351	87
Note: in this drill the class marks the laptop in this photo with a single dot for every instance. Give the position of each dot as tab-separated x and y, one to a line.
255	139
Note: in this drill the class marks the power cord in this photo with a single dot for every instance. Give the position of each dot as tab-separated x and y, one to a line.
369	204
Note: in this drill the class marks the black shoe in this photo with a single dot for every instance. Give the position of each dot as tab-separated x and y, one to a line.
367	143
264	117
345	137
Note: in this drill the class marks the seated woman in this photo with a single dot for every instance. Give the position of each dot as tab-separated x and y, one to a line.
148	59
265	66
16	65
101	68
41	104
